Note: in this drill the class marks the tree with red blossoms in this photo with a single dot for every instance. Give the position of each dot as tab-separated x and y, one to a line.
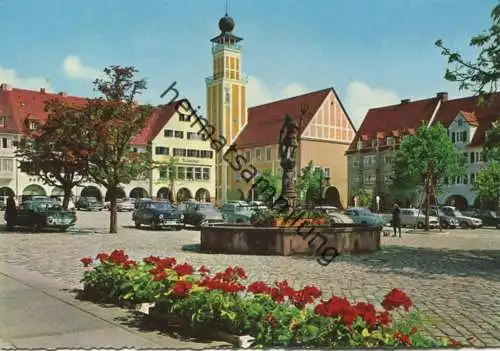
112	121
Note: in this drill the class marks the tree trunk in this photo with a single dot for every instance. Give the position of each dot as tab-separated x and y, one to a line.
67	196
428	180
113	225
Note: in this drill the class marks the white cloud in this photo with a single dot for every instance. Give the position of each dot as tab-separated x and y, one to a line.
9	76
361	97
73	68
259	93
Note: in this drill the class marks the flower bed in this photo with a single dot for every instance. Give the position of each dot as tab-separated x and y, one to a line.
275	316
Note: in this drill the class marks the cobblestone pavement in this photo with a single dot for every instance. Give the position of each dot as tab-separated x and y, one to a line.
453	278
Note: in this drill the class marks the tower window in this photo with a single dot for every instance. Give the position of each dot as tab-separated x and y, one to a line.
227	97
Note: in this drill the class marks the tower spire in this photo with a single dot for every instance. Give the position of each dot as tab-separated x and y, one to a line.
227	7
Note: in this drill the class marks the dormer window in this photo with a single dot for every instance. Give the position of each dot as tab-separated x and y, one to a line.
184	118
3	121
360	144
374	142
390	140
33	124
460	122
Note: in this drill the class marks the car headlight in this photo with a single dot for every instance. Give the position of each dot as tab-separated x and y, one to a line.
182	217
160	217
50	220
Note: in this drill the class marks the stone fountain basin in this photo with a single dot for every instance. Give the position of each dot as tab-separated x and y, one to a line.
250	240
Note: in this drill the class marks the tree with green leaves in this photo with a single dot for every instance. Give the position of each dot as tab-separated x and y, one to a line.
170	169
309	184
365	197
481	75
267	186
56	151
487	184
403	185
426	159
112	121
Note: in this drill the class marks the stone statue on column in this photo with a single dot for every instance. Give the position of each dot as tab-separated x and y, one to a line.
288	143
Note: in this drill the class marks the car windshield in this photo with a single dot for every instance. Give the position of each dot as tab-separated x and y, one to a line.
493	214
161	206
92	199
242	208
457	213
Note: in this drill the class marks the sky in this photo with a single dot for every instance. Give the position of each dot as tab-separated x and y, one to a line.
373	52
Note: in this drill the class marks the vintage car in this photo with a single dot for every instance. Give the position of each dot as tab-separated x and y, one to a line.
361	215
41	214
489	218
335	215
89	203
200	213
125	204
157	214
411	217
464	221
444	221
234	212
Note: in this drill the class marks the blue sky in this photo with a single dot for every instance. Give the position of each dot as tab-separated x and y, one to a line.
374	52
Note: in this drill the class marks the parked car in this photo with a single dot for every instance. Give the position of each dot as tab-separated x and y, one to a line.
60	199
488	217
411	217
139	201
361	215
259	205
444	221
233	212
464	221
335	215
125	204
200	213
3	202
89	203
41	214
157	214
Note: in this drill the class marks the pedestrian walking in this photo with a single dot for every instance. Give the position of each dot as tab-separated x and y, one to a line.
396	219
10	212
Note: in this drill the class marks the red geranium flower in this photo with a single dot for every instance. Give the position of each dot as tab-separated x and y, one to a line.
103	257
384	318
259	287
129	263
184	269
203	270
181	288
87	261
396	298
151	259
118	257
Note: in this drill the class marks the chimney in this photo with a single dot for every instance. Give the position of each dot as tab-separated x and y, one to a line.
405	101
6	87
63	94
442	95
42	90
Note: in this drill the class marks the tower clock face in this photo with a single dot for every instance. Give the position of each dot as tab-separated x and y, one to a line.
227	96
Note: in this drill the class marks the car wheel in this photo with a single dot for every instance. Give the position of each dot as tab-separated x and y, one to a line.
239	221
137	223
63	229
178	228
154	225
35	228
444	225
464	225
420	225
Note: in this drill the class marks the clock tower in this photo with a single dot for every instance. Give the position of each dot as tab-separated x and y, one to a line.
226	97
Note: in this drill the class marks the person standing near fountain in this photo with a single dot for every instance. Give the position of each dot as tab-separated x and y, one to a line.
396	219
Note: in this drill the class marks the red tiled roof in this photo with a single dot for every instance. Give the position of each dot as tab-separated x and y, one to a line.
156	122
394	119
265	121
17	104
470	117
484	115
